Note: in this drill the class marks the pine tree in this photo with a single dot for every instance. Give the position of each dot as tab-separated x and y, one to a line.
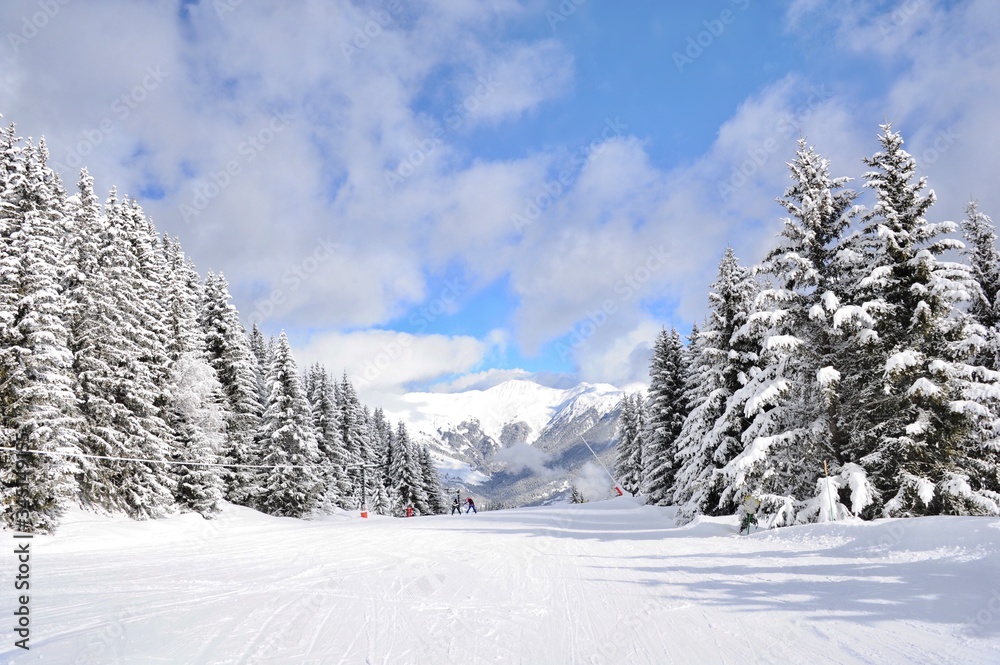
260	361
666	409
39	413
724	359
183	296
382	443
381	501
230	354
432	484
353	434
326	421
149	274
290	486
198	419
984	259
123	372
407	482
922	409
794	400
628	465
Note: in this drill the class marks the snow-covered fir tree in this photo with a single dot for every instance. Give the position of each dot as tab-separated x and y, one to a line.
290	486
329	437
261	360
39	413
924	414
431	483
353	434
230	355
795	398
628	460
984	259
666	408
196	412
381	434
408	487
723	360
125	406
381	502
198	418
182	298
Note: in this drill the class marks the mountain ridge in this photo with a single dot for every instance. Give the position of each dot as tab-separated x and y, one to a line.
519	441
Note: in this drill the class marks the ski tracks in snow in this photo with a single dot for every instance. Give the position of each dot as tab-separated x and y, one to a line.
606	583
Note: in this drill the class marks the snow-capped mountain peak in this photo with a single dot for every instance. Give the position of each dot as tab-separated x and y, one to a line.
467	430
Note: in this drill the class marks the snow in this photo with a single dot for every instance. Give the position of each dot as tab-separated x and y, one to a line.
849	313
901	361
923	386
861	490
604	582
830	301
827	376
766	395
452	468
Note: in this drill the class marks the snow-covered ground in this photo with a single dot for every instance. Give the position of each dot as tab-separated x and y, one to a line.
608	582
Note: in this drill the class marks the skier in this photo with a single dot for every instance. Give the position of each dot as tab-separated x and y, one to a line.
409	510
471	506
455	506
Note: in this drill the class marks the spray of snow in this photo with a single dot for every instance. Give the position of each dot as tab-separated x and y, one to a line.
593	482
522	457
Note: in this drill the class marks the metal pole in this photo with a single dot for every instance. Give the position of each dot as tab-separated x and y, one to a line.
613	479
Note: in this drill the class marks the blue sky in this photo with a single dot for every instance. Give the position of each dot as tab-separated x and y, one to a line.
445	194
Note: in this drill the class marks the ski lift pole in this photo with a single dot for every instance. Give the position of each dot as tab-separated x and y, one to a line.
364	492
614	481
833	508
364	484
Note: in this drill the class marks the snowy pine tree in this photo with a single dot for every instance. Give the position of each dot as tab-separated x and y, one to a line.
199	419
124	374
329	437
230	355
666	408
984	259
431	483
290	486
628	462
794	400
924	414
261	360
39	412
724	359
353	434
408	486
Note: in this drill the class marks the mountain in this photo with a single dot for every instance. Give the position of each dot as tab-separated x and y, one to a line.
519	442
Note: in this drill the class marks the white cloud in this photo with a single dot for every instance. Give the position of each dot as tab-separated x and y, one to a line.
518	79
489	378
622	359
381	362
322	177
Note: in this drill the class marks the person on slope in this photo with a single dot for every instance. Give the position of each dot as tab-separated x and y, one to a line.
471	506
455	507
409	510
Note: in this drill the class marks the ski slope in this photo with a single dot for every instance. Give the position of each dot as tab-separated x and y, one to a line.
608	582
